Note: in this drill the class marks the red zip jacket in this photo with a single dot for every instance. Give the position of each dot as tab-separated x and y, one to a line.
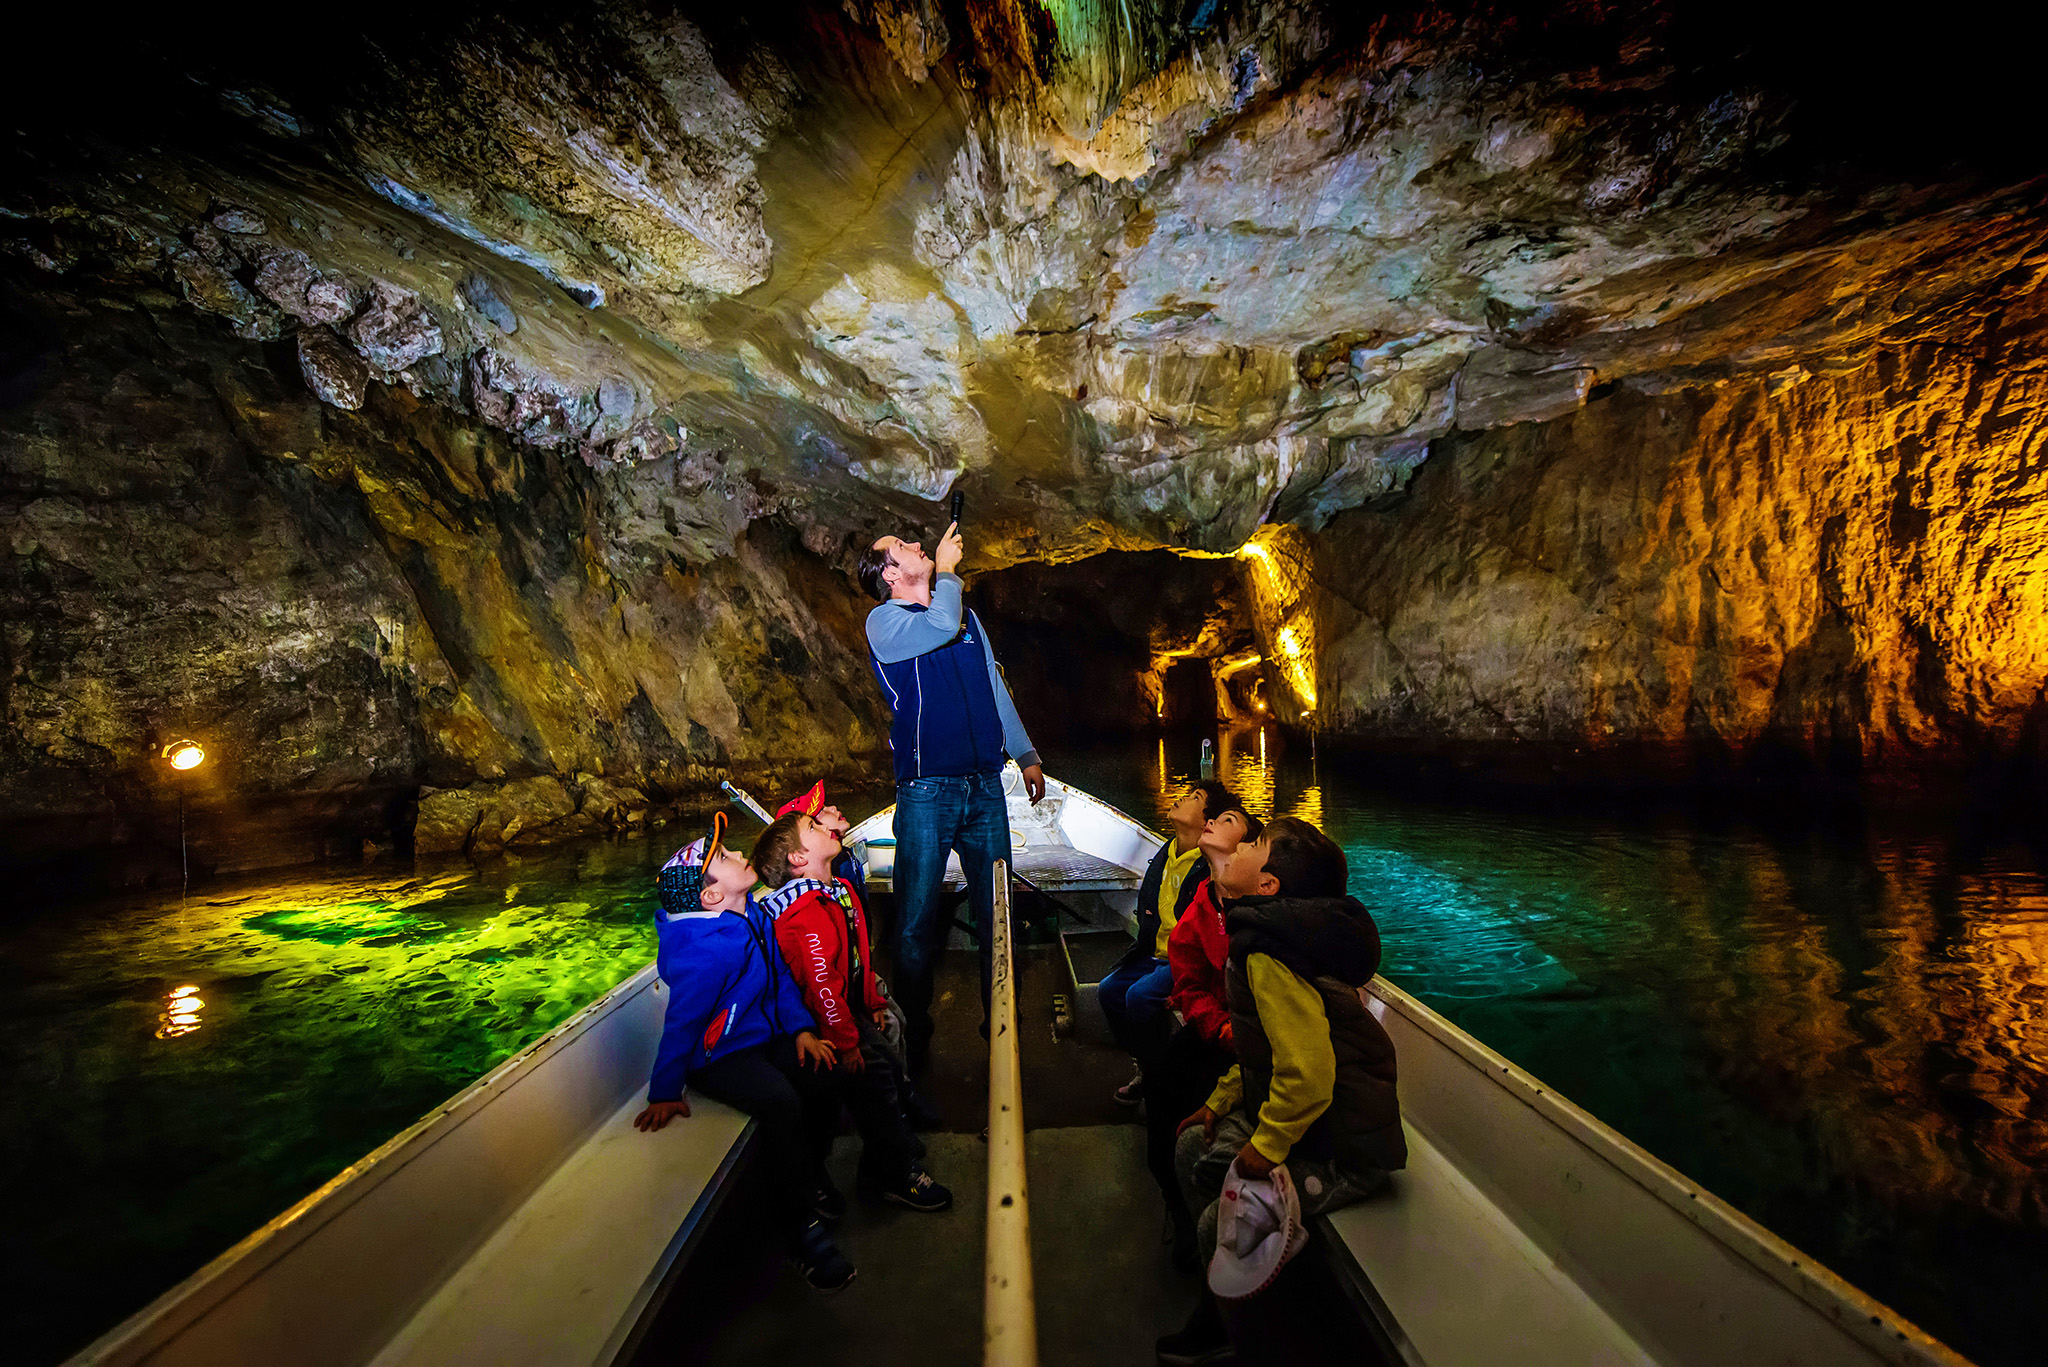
1196	949
810	927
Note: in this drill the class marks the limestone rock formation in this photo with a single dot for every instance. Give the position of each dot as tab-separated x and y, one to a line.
582	351
360	612
1846	573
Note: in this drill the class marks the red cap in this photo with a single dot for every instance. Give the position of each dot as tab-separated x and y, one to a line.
810	803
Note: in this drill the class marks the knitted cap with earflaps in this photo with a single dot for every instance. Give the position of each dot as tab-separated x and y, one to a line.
681	882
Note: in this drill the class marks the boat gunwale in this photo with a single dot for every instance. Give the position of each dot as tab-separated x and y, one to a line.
1855	1311
197	1295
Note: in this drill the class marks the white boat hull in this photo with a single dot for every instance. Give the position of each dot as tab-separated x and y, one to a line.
1527	1231
370	1266
1071	845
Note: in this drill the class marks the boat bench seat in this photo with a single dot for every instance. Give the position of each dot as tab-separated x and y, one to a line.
570	1277
1451	1278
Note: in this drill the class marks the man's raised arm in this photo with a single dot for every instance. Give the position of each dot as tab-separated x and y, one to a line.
897	633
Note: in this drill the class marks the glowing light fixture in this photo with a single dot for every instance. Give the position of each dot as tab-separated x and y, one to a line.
183	756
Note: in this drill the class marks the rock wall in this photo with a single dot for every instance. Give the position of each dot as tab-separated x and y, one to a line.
483	415
1839	575
1136	276
354	611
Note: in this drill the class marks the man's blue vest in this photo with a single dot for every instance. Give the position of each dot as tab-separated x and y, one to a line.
946	722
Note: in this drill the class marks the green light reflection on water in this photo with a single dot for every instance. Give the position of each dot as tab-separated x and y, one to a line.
335	1012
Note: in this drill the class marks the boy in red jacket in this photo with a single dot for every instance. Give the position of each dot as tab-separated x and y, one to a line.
822	930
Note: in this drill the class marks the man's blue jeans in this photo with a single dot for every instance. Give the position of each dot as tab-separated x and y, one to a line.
934	816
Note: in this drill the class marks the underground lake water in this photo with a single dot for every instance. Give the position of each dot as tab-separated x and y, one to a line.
1841	1034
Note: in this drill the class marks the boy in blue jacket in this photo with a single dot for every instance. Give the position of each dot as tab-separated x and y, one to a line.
738	1030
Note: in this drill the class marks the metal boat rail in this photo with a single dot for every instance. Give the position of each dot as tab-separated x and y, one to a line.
1009	1330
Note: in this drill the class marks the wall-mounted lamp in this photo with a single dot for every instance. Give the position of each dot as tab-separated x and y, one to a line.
183	756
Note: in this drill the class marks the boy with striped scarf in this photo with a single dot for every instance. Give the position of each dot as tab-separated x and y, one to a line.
822	930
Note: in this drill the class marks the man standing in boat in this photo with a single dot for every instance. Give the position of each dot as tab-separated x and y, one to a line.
954	724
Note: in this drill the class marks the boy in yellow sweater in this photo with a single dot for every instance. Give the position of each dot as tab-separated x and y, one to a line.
1314	1083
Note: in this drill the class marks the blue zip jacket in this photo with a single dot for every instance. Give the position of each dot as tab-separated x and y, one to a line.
728	990
953	712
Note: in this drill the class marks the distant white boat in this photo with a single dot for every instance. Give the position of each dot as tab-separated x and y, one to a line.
1068	843
1076	849
526	1224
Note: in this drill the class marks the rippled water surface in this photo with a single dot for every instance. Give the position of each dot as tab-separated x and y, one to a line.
1844	1036
177	1073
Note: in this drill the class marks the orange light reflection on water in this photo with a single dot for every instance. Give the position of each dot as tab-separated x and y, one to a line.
180	1015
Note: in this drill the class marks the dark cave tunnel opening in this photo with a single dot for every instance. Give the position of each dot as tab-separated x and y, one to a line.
1125	643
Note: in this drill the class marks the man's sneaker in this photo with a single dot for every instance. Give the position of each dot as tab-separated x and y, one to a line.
824	1266
1132	1092
828	1201
1202	1342
918	1191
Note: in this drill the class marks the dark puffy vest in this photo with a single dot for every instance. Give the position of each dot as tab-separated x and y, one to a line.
1332	944
946	722
1148	900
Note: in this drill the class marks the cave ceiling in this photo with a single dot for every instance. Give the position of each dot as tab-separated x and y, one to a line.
1129	276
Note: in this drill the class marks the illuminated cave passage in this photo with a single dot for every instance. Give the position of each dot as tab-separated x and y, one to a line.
436	451
1124	644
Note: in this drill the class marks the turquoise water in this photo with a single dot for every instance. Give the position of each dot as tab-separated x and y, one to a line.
1843	1036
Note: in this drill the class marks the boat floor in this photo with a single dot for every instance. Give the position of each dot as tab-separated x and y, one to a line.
1055	868
1106	1287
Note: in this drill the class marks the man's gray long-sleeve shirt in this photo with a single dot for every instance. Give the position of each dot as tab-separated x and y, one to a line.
898	632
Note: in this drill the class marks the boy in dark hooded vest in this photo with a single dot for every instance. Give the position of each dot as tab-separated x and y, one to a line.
1314	1085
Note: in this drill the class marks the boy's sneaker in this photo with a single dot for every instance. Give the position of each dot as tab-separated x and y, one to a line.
1132	1092
917	1190
824	1266
828	1201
